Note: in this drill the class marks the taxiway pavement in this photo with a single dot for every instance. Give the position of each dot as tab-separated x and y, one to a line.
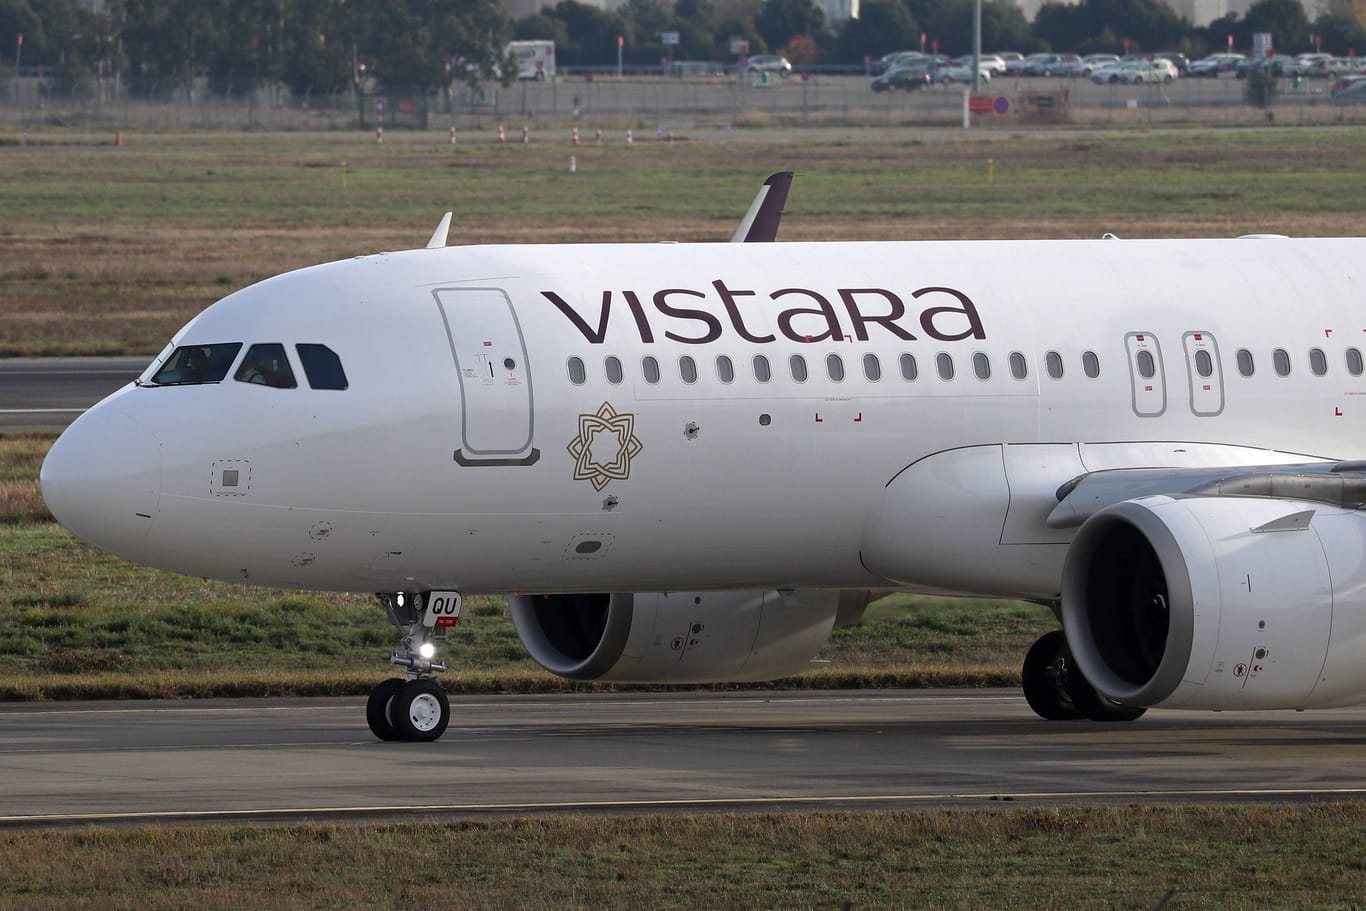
292	759
50	393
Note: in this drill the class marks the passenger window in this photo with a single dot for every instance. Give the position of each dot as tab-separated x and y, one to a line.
797	364
1019	367
872	368
944	363
1318	361
687	369
1354	361
1204	364
1053	361
908	369
266	365
191	364
577	374
1281	362
650	368
614	371
1245	365
834	366
981	366
1090	364
1147	367
322	366
725	370
762	372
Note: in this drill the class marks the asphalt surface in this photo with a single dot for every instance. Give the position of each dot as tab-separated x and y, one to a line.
314	759
50	393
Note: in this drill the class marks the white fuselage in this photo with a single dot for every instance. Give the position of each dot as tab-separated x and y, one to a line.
467	451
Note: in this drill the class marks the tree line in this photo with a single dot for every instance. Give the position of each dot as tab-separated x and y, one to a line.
324	46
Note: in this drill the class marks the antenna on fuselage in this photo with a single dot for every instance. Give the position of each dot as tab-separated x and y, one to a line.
760	224
439	235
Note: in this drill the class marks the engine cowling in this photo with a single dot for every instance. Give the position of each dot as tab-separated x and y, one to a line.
1219	603
681	637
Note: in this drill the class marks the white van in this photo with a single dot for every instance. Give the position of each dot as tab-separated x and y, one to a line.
535	59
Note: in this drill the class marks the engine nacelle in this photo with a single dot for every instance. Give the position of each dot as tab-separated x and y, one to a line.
681	637
1219	603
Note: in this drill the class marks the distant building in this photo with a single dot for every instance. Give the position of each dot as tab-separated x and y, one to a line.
520	9
838	12
1198	12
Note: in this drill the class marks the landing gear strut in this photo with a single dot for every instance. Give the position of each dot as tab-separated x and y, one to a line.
411	707
1056	690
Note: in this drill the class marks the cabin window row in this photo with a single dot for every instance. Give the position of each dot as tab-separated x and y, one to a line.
1280	362
944	366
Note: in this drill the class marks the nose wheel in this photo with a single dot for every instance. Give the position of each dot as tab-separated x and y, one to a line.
413	710
414	707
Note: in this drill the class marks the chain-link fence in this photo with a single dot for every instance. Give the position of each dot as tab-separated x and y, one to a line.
650	102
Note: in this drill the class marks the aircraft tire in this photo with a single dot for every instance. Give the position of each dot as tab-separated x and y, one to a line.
420	710
1046	677
1095	706
377	709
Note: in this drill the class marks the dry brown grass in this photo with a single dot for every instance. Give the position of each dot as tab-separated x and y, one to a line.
1296	857
112	249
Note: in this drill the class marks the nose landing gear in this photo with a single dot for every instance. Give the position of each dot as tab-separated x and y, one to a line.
414	707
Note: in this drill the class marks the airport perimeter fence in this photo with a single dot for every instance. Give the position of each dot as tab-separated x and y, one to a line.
643	103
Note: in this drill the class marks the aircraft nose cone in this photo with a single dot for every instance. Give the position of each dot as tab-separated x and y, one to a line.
102	477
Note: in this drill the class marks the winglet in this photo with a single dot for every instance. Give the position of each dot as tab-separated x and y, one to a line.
439	235
760	224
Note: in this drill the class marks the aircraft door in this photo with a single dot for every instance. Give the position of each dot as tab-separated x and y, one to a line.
491	364
1206	373
1147	375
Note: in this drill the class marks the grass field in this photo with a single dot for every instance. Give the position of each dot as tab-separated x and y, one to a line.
109	249
1041	858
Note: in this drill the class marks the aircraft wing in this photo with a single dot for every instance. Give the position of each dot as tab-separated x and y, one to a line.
1340	484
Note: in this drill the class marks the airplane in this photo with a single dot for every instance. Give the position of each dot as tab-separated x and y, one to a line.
689	463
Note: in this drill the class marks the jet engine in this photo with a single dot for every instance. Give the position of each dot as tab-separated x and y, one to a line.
1209	602
681	637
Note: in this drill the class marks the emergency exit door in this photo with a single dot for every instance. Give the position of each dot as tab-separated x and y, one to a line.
493	376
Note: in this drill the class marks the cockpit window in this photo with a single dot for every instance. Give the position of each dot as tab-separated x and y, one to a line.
266	365
322	366
190	364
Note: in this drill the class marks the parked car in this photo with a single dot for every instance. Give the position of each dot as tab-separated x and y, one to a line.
1334	67
1180	61
1275	65
1346	83
892	61
1047	64
908	78
1353	93
961	73
1115	72
1087	65
988	62
1216	65
768	63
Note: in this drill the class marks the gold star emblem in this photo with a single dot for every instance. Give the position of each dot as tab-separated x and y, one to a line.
605	446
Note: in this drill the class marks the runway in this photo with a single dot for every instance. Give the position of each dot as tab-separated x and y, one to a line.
50	393
122	763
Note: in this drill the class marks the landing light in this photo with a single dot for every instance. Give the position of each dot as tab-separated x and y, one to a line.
426	650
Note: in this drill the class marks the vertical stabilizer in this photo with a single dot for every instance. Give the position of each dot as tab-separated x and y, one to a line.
760	224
